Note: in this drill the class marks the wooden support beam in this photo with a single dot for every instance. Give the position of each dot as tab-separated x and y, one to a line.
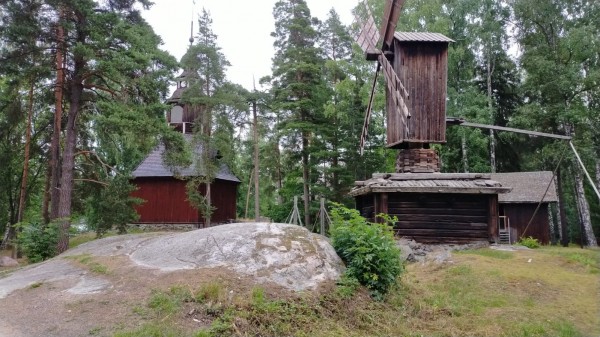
462	122
383	206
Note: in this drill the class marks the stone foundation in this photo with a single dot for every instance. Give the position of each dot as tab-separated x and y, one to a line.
154	227
417	161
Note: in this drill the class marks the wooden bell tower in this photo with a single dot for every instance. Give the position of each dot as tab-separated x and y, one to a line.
179	115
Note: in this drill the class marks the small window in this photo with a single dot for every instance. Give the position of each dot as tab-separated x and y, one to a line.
177	114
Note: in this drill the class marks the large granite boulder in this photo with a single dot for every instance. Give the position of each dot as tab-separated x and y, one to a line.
97	283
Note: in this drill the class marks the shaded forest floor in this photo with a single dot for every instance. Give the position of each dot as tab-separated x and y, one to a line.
550	291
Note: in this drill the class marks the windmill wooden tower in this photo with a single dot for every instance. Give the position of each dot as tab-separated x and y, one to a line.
415	70
431	207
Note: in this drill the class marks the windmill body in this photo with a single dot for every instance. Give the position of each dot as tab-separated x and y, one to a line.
420	60
431	207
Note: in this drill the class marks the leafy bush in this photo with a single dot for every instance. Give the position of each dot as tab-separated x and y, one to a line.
38	242
368	249
529	242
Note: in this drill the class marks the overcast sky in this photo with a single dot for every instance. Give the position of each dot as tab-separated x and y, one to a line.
243	29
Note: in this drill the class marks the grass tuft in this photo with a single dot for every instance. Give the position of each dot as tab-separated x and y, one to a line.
487	252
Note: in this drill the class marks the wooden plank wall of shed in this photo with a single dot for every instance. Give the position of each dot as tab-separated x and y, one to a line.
441	218
422	68
166	201
519	215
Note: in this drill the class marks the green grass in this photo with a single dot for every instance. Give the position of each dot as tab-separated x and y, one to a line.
35	285
81	239
586	258
152	330
496	254
88	261
482	293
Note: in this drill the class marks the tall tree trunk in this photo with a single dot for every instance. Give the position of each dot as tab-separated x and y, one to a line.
46	199
564	237
58	104
305	177
490	70
551	225
68	159
208	215
598	173
256	163
587	230
22	195
23	189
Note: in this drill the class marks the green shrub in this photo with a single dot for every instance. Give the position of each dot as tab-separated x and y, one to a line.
112	206
529	242
38	242
368	249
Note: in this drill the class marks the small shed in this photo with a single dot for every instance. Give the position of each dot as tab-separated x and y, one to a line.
421	63
165	198
517	207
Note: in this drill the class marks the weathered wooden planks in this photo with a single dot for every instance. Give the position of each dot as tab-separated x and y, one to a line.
422	68
437	218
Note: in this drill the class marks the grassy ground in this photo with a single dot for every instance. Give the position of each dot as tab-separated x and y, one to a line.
545	292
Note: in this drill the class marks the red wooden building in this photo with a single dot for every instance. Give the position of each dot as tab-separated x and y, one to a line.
164	191
517	208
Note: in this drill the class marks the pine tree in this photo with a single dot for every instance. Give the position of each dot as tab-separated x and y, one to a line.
215	102
297	82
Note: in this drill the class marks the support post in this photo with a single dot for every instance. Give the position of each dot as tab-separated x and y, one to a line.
584	170
322	216
295	211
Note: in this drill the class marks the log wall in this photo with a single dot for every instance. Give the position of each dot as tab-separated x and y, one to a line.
436	218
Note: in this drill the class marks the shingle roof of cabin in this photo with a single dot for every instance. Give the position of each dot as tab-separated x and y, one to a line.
467	183
421	37
528	187
153	166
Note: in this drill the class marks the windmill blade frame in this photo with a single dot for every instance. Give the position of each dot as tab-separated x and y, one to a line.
365	128
392	11
368	34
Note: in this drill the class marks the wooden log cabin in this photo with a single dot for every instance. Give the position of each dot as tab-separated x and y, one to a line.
434	207
517	208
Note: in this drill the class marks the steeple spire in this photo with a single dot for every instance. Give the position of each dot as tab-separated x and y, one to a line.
191	39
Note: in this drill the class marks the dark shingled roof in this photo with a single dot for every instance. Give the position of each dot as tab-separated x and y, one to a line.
153	166
421	37
429	183
527	187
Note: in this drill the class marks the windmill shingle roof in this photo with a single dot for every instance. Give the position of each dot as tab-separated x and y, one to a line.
421	37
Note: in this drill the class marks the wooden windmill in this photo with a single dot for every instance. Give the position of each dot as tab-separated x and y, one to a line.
415	70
